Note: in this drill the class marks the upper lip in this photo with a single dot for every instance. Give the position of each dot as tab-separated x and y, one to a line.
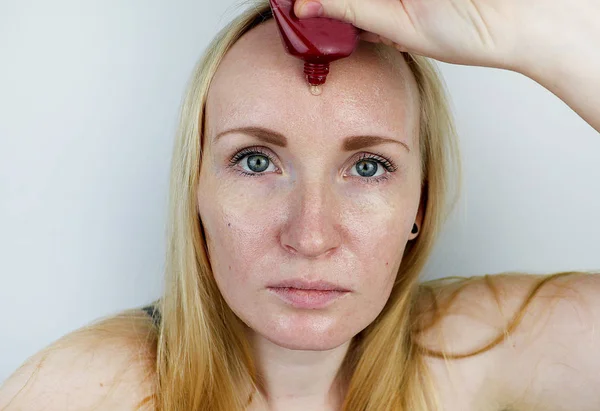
308	285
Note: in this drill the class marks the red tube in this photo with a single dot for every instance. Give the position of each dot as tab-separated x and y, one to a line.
318	41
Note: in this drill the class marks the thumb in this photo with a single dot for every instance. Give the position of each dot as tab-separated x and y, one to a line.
337	9
379	17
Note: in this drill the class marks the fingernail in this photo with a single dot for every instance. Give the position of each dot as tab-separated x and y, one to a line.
311	9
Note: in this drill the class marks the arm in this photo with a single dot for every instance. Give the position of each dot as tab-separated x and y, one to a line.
569	64
551	361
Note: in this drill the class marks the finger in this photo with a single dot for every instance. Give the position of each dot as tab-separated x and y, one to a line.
308	8
387	41
337	9
381	17
370	37
400	48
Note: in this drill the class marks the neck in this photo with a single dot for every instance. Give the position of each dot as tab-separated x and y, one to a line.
297	379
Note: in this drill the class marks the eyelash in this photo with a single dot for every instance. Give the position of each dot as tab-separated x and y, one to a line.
245	153
376	157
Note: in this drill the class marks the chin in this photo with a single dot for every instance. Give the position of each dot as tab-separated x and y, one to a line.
318	333
310	330
307	342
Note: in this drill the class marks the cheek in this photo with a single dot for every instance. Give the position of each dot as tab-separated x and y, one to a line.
378	230
239	225
379	222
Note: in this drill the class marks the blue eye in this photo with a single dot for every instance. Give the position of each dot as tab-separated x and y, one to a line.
253	161
372	168
257	163
368	168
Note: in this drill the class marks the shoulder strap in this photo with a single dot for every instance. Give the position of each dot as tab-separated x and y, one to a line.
153	311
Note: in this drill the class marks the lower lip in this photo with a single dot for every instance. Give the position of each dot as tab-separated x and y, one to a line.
307	298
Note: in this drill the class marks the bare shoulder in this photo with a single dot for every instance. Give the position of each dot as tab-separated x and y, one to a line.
108	364
509	340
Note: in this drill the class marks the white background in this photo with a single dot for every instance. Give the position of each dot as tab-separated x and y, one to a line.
89	96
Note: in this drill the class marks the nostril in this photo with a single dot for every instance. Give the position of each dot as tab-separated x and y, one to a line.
290	249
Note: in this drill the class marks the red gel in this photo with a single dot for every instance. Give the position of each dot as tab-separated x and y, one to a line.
318	41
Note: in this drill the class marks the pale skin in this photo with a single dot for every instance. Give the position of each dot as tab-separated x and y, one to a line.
310	214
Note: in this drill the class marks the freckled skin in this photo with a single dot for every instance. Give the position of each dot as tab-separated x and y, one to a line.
310	214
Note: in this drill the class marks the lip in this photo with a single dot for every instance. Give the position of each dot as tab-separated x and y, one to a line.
309	285
307	299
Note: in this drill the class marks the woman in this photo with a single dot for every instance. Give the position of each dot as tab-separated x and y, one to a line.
345	191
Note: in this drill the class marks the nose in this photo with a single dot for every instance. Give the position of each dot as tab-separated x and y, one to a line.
313	226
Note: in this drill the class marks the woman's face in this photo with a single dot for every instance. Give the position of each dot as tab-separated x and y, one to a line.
294	186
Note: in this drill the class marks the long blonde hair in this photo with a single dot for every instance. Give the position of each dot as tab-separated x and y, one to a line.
203	359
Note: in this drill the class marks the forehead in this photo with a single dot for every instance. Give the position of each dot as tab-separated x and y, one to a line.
259	84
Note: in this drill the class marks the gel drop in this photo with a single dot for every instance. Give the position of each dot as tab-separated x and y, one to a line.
318	41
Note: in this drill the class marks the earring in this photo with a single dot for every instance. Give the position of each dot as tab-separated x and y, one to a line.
415	229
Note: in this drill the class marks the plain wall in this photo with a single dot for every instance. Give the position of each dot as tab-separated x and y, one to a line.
89	97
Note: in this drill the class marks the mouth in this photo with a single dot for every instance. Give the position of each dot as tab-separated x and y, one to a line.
299	284
307	298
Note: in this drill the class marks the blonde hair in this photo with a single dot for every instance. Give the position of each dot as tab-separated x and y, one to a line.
204	361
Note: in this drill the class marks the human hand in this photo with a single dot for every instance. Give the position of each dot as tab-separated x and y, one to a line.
510	34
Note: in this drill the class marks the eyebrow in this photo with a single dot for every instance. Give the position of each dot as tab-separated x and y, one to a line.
351	143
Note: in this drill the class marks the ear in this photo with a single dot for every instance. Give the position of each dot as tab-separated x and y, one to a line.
418	220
